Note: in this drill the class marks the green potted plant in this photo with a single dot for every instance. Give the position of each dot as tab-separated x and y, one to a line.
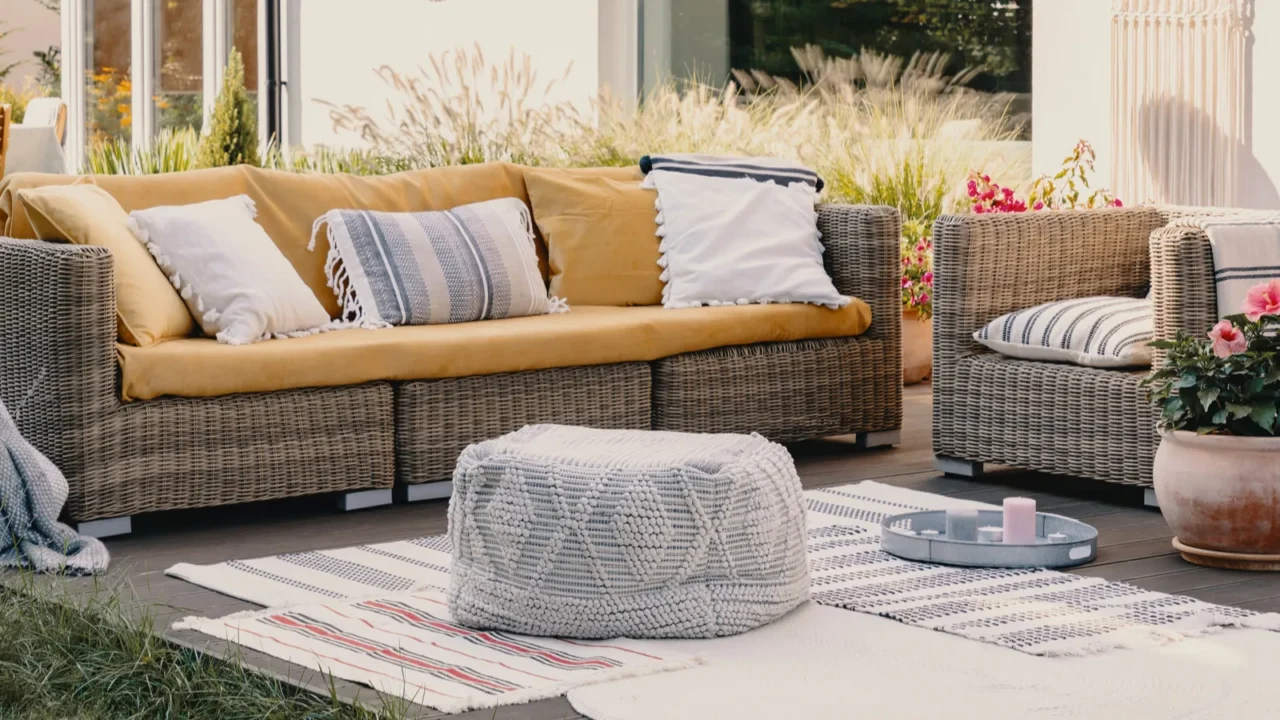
1217	472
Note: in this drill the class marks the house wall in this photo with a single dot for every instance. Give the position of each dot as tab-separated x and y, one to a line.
35	28
1071	92
336	47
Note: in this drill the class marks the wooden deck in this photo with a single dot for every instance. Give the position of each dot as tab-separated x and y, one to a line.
1133	543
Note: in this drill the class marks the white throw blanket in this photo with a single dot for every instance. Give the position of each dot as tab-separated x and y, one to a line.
1246	251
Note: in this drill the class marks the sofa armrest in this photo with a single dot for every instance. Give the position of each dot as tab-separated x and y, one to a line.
988	265
1184	293
863	250
57	345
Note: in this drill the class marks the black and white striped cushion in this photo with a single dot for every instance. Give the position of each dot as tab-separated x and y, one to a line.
1096	332
760	169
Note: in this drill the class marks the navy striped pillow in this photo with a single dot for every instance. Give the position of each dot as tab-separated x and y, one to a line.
1094	332
760	169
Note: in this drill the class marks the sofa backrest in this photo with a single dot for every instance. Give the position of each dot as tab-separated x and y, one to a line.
288	203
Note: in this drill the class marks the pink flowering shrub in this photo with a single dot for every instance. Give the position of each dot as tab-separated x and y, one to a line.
917	269
1228	382
1062	191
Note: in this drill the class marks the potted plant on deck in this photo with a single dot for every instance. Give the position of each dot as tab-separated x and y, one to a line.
1217	472
917	302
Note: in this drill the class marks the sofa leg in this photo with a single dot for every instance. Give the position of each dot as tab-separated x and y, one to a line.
107	527
1149	498
957	467
880	438
361	499
424	491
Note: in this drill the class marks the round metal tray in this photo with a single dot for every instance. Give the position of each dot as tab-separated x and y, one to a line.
1079	547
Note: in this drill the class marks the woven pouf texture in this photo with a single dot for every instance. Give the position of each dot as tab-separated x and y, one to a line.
575	532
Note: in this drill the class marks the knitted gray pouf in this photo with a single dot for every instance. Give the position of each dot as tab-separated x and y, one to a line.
584	533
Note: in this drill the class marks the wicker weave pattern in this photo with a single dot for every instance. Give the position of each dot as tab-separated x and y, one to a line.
1043	416
436	419
58	375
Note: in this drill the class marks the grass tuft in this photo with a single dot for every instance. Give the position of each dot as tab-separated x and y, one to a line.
89	658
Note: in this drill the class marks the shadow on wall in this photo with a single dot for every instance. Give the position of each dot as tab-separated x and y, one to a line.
1172	162
1180	146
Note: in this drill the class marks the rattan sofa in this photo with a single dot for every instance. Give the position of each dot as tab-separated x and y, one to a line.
59	376
1053	417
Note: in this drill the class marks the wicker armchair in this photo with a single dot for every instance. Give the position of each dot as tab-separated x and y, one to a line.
1051	417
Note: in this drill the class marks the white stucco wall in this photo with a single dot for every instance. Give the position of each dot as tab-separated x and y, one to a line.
337	47
35	28
1071	92
1070	82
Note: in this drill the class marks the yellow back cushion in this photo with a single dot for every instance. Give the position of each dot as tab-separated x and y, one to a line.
288	203
601	234
148	309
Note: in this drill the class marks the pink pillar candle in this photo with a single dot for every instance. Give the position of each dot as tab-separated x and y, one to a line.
1019	521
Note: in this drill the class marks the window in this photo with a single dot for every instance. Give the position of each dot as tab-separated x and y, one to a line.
108	90
706	39
140	67
178	85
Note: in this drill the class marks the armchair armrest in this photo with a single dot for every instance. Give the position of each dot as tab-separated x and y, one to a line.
988	265
863	250
57	345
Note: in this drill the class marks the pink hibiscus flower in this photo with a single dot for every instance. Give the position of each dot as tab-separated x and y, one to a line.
1263	299
1227	339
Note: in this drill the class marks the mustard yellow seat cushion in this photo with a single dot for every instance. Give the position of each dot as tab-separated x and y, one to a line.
201	367
148	309
601	236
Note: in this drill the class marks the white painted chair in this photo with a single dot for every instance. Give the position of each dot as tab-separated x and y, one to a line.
48	112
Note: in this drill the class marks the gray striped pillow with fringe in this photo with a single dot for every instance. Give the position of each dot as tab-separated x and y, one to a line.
474	262
1104	332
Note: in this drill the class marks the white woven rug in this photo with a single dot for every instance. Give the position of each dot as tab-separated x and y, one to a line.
377	615
1040	612
822	662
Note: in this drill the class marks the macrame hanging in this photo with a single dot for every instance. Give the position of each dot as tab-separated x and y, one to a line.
1177	99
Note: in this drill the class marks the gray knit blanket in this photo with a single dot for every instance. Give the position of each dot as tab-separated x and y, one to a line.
32	493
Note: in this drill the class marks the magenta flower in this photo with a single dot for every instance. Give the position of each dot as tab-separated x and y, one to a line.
1263	299
1227	339
1038	206
924	298
1117	203
906	282
928	278
978	209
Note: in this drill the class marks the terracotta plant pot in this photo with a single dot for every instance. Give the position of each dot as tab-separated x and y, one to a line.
917	348
1221	496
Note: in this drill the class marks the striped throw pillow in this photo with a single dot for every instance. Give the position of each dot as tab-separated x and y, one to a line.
760	169
474	262
1104	332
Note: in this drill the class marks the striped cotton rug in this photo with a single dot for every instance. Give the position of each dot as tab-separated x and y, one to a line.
376	613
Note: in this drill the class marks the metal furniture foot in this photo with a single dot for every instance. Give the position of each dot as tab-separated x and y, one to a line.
957	467
880	438
107	527
361	499
424	491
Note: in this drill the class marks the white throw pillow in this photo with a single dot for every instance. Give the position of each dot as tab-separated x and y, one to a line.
237	283
1104	332
734	241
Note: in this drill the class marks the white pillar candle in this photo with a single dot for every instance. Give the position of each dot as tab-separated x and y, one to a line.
962	524
991	534
1057	537
1019	521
